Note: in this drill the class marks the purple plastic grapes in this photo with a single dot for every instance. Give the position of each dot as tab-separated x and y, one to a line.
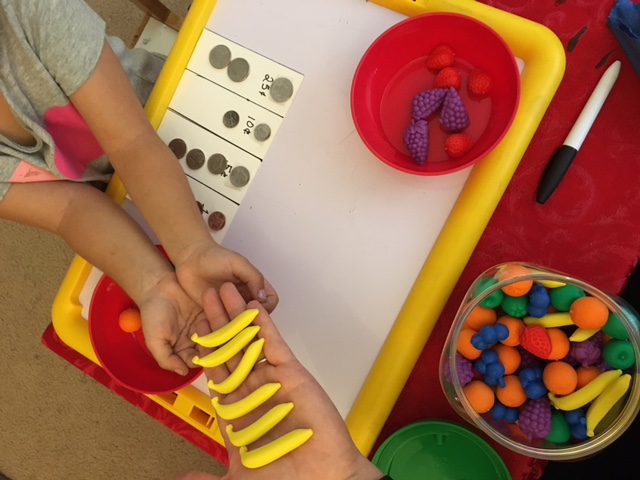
427	102
535	418
588	352
454	116
416	139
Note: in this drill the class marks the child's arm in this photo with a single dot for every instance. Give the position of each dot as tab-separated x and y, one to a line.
158	186
101	232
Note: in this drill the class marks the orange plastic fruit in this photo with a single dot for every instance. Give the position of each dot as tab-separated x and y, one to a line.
515	326
510	358
480	396
517	289
586	374
479	317
589	313
512	394
464	346
130	320
560	344
560	378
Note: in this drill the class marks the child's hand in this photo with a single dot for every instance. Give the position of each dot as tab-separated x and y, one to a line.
169	318
329	453
206	265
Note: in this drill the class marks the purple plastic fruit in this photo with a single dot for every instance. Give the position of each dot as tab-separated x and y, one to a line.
416	140
427	102
535	418
454	116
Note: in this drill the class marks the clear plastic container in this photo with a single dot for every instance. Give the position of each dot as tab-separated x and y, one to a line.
609	429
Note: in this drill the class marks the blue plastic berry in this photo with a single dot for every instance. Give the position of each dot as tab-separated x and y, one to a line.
427	102
495	369
539	301
478	342
416	140
454	116
502	331
575	417
498	411
512	415
488	334
494	381
490	356
535	390
481	366
529	375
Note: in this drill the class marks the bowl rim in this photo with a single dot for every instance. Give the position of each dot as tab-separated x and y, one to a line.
563	453
471	162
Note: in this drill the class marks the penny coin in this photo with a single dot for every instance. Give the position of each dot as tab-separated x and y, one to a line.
281	89
217	163
216	221
219	56
195	159
231	119
178	147
239	176
262	132
238	69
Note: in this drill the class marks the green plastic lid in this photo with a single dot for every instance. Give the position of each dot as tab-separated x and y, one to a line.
438	450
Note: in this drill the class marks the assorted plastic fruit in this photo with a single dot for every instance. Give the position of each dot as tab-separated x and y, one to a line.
443	97
546	358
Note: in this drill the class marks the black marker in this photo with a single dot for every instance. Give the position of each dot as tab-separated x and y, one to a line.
562	158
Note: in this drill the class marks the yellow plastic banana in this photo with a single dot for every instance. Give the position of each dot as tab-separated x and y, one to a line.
586	394
246	404
226	333
229	349
241	372
273	451
260	427
550	320
606	401
582	334
547	283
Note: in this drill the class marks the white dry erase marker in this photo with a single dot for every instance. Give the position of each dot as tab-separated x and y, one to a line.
562	158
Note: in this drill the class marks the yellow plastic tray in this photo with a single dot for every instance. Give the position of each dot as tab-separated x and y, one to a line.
544	59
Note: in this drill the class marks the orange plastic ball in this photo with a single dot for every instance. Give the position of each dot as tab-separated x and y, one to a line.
479	317
517	289
560	344
510	358
464	347
586	374
512	394
515	326
589	313
130	320
560	378
480	396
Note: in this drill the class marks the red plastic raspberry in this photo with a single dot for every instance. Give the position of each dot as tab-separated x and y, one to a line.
440	57
448	77
536	340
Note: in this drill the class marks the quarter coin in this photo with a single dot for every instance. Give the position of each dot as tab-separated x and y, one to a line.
239	176
219	56
195	159
217	163
238	69
281	89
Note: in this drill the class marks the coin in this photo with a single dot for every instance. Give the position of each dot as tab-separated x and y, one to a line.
281	89
219	56
238	69
178	147
239	176
216	221
231	119
262	132
217	163
195	159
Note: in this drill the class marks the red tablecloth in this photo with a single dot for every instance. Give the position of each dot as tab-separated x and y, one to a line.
588	228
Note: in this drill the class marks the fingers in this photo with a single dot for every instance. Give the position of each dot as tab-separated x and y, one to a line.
197	476
165	356
259	288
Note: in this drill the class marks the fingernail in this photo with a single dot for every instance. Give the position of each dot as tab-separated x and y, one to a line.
180	372
262	296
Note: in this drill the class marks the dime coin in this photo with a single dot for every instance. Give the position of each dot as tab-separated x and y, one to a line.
217	163
178	147
262	132
195	159
281	89
238	69
219	56
239	176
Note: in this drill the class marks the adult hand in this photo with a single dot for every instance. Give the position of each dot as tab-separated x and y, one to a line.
329	453
207	264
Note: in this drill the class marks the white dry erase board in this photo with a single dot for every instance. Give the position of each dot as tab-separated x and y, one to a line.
339	234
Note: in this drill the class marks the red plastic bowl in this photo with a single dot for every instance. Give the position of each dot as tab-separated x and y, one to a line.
392	71
125	356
